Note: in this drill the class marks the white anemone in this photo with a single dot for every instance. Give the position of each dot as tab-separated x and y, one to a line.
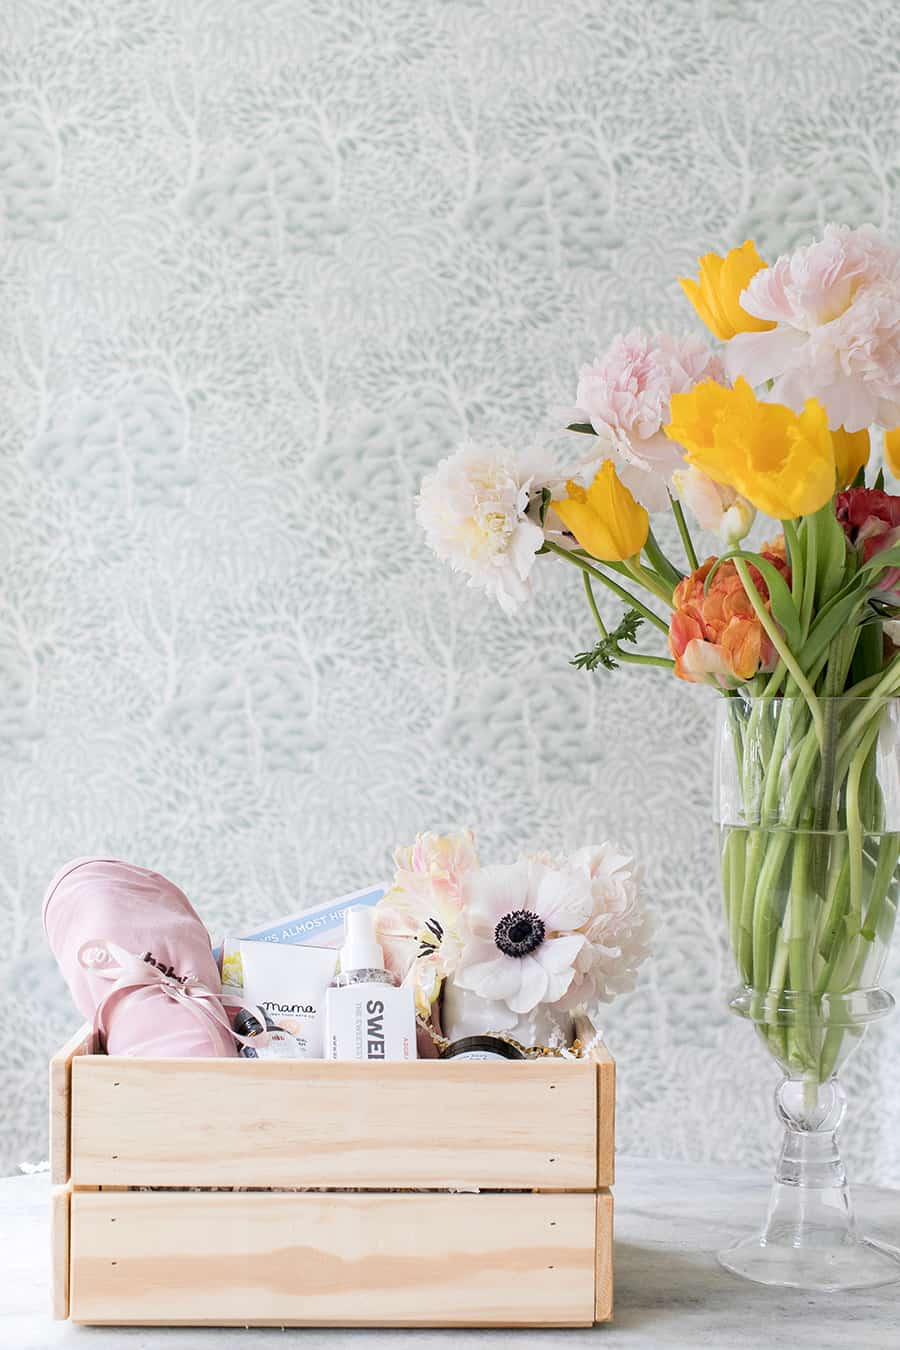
522	947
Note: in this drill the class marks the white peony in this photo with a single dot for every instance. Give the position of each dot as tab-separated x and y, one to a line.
473	509
618	932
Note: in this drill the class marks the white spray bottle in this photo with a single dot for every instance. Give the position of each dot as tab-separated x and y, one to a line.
368	1016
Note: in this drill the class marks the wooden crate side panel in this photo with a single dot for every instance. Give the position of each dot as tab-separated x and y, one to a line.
60	1090
337	1260
267	1123
603	1291
606	1119
59	1251
606	1100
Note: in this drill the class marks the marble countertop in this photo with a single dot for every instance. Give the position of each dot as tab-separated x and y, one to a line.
670	1219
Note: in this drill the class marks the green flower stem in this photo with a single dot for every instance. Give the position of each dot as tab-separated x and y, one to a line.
611	585
746	928
810	565
650	581
755	925
733	875
687	542
865	687
621	569
665	569
885	687
831	1048
800	955
769	851
765	920
777	641
631	658
831	976
855	823
825	799
776	680
888	857
777	984
639	659
835	900
589	591
795	558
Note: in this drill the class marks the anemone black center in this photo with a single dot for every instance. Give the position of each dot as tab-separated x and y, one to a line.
519	933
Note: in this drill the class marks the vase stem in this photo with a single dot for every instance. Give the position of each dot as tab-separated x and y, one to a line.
809	1239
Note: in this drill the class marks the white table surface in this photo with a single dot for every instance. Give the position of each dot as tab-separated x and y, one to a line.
670	1218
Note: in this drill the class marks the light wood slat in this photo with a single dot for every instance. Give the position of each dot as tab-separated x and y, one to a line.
606	1100
431	1123
60	1079
335	1260
606	1116
603	1292
59	1252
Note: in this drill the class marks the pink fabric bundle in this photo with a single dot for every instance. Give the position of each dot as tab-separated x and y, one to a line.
137	960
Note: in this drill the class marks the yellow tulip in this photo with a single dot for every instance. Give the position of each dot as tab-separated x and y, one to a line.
892	451
716	296
781	461
851	453
605	518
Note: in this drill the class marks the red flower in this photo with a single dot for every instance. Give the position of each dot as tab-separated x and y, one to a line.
871	522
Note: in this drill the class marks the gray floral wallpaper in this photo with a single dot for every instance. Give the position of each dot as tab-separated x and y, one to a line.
263	264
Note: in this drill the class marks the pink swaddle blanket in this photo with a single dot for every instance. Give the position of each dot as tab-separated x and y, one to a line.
137	960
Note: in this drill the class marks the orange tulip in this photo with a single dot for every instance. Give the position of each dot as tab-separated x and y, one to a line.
715	635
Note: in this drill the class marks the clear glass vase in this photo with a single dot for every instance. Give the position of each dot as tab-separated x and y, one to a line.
808	817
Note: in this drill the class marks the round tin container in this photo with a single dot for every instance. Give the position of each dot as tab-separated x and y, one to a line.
481	1047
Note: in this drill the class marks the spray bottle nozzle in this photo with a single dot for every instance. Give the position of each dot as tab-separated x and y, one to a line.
361	949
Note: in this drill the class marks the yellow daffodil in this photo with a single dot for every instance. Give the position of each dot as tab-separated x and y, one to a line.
781	461
716	296
851	453
892	451
605	518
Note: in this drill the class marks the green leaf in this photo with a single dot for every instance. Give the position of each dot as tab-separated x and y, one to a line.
546	498
582	426
835	616
831	553
607	649
781	602
879	481
664	568
868	659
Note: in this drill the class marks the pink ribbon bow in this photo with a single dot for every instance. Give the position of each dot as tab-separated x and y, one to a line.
129	971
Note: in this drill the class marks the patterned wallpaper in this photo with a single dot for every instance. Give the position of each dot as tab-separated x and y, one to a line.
263	264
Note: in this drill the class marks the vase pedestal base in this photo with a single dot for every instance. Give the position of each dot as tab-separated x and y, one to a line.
810	1239
855	1264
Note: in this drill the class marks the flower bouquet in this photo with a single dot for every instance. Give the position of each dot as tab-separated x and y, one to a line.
513	950
799	636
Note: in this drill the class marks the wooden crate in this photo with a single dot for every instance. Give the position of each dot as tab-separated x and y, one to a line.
433	1193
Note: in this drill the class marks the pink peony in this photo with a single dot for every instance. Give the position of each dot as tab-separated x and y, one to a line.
420	916
836	307
625	397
